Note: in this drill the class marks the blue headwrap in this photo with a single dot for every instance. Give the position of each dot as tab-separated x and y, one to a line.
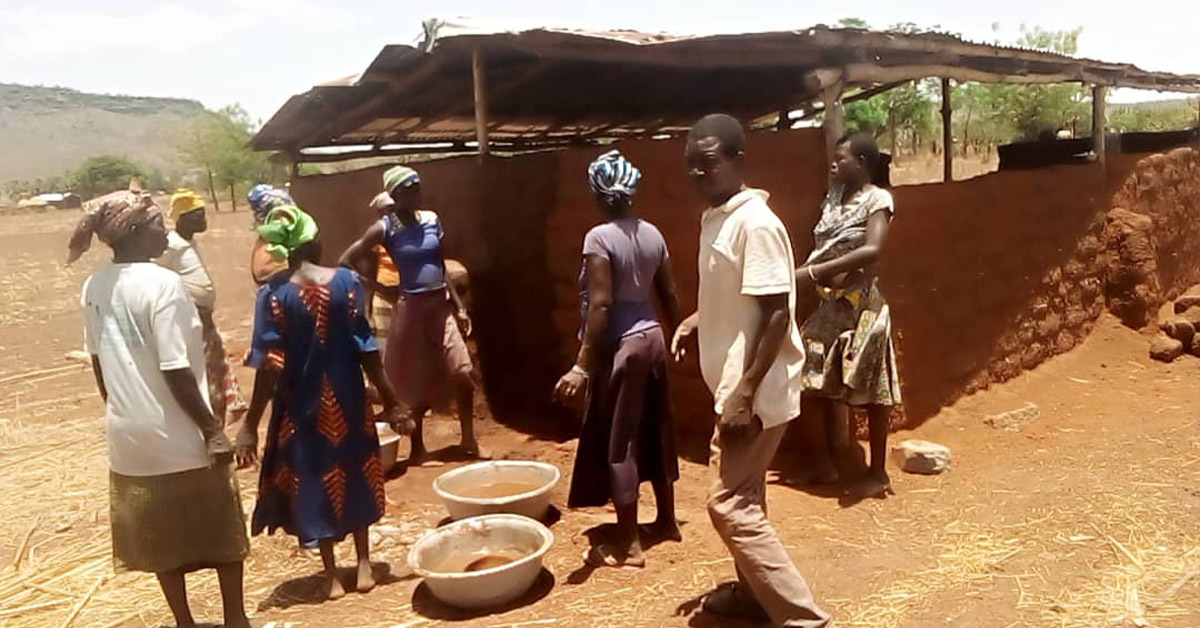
263	198
613	177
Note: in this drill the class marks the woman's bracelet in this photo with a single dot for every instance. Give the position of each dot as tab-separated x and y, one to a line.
575	368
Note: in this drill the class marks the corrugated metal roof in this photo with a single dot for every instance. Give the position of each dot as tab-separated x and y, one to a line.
552	85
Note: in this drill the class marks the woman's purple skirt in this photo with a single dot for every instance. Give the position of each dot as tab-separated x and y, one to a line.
628	432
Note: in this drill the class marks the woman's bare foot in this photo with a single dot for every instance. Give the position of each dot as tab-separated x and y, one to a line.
610	556
417	455
365	580
666	531
335	588
472	450
872	485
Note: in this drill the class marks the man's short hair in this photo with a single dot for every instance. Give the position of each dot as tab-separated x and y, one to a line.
725	128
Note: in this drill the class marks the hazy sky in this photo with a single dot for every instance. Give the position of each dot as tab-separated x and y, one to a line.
259	52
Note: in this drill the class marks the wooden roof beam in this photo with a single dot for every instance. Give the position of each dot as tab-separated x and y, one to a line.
362	112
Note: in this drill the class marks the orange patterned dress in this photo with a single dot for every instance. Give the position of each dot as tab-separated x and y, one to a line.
321	474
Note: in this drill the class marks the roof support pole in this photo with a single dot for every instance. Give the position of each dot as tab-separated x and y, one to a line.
835	118
1098	93
947	135
481	109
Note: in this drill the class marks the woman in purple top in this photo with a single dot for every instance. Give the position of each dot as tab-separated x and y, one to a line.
425	358
628	436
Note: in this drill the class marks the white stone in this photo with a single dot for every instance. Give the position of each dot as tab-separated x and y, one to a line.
1012	420
921	456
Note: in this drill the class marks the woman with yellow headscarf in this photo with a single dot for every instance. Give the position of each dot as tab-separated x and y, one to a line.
182	256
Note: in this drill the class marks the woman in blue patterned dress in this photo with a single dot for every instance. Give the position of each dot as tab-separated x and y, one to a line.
321	476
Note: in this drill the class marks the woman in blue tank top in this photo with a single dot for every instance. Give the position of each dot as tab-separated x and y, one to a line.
426	358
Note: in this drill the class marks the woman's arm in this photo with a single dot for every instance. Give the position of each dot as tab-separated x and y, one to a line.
599	292
246	448
460	310
859	258
664	287
99	373
186	391
369	277
362	248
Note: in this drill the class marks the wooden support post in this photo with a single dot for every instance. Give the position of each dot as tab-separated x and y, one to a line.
1098	92
947	134
835	117
785	120
481	110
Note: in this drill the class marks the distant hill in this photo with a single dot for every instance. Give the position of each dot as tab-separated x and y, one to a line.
48	130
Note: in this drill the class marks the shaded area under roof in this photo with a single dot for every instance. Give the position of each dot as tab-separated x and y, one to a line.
548	87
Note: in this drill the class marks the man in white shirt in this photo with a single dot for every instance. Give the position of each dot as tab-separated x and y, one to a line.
182	256
751	358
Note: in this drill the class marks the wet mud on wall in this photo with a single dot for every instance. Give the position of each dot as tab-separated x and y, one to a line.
493	217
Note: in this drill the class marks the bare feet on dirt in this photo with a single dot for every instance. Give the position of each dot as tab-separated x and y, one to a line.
335	589
665	531
474	451
365	580
872	485
611	556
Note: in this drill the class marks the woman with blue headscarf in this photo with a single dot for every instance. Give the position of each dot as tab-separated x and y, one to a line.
262	199
628	435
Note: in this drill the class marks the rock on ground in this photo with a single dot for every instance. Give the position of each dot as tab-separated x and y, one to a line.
1012	420
1165	349
1180	329
921	456
1191	315
1183	303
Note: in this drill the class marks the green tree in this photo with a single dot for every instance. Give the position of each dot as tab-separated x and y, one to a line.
869	116
1001	113
1168	116
902	114
103	174
217	142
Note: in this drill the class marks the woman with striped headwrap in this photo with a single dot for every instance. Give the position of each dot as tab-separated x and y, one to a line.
426	357
628	435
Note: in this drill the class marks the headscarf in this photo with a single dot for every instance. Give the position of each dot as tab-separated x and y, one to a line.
399	176
285	229
263	198
185	201
613	177
111	220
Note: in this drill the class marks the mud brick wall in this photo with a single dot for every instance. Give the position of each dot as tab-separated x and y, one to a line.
986	277
989	277
494	216
1162	193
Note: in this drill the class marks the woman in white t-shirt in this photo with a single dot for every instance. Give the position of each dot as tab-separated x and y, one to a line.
174	500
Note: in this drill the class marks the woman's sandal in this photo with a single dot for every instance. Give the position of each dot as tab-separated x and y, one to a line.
600	556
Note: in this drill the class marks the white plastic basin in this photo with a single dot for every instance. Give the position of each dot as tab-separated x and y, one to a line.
501	486
440	556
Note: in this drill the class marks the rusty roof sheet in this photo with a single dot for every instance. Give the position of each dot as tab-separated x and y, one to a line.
551	85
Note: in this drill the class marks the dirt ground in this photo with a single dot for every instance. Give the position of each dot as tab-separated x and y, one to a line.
1085	517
